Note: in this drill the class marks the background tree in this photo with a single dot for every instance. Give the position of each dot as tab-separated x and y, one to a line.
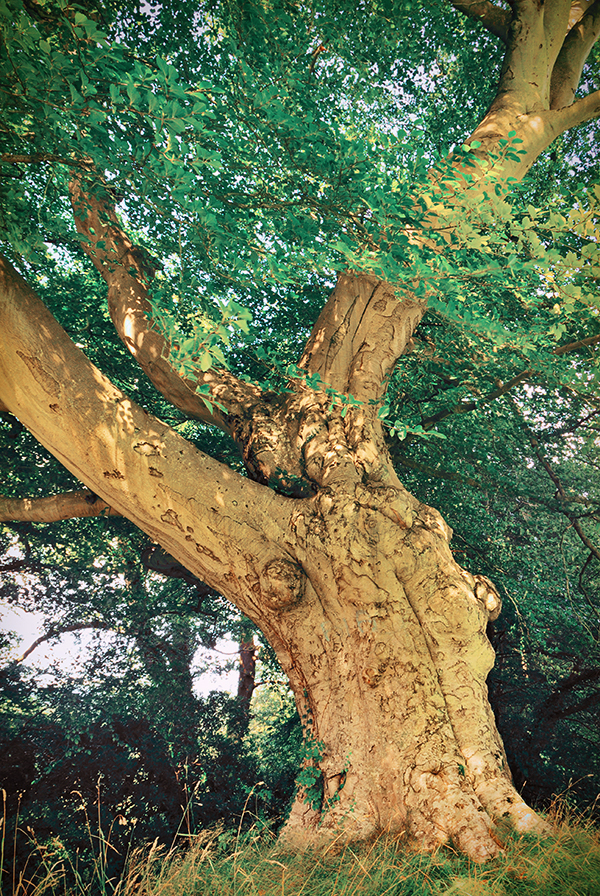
123	750
261	152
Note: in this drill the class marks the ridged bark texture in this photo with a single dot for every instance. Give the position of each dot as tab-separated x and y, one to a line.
387	654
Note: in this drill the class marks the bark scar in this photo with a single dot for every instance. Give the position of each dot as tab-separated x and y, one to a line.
170	517
48	383
401	522
147	449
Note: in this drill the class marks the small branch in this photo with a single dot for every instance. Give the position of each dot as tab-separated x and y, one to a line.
493	18
433	472
588	703
580	343
576	424
23	159
503	388
595	609
67	506
20	565
482	483
62	630
554	709
463	407
562	495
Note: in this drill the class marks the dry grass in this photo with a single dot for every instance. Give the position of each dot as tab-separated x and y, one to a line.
219	863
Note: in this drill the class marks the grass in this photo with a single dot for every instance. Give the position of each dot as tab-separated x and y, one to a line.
223	863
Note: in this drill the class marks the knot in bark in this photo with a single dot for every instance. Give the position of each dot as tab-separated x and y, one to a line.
372	674
282	584
487	595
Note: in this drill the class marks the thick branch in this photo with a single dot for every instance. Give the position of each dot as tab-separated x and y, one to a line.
535	39
360	334
557	18
575	50
156	560
363	329
224	528
492	17
126	272
582	110
124	269
70	505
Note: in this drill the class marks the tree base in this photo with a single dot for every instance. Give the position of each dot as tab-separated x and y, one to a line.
441	814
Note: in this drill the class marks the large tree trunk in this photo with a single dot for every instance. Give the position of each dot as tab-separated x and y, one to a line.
387	655
350	578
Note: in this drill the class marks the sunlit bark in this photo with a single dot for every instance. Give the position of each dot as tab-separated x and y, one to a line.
67	506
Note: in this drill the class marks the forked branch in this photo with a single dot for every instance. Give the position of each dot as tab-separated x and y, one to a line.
575	50
127	274
547	47
495	19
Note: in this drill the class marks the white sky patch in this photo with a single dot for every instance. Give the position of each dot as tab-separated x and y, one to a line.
225	652
69	652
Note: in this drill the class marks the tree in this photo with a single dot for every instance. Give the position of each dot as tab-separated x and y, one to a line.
258	153
125	739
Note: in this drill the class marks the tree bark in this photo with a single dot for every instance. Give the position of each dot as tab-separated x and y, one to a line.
247	652
66	506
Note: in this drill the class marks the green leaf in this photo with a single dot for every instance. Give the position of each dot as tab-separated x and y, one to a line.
205	361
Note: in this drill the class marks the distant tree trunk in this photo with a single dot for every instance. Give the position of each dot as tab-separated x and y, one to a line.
246	671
